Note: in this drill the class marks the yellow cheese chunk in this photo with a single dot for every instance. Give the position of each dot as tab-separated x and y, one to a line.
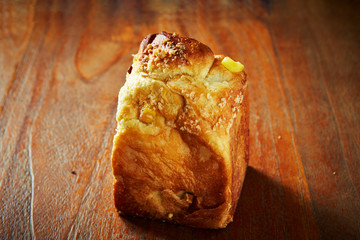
147	115
231	65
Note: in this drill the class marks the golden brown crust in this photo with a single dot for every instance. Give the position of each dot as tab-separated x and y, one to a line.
181	148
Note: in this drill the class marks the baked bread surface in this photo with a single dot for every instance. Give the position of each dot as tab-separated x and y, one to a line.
181	148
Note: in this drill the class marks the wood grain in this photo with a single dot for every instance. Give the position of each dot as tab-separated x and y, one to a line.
62	64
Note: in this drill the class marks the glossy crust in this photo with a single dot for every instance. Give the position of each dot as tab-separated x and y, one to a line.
181	148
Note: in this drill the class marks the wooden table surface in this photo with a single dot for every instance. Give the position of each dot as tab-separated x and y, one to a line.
62	64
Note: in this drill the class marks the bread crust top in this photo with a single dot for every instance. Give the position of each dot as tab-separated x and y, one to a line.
194	91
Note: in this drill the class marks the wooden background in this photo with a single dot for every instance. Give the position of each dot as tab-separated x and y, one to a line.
62	64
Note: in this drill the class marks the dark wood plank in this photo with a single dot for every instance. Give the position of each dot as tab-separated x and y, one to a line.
62	64
323	94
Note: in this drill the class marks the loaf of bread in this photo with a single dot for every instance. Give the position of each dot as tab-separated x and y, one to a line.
181	146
